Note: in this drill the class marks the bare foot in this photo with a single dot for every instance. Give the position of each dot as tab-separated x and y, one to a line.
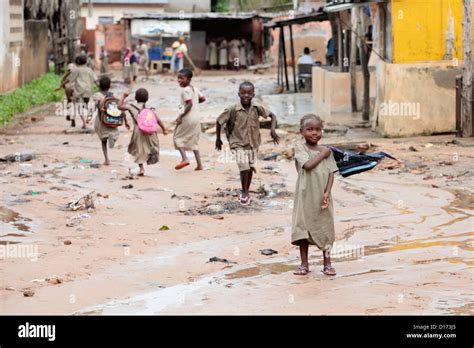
199	168
106	163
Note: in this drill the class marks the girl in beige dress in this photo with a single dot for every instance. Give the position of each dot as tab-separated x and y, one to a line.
143	147
188	128
313	220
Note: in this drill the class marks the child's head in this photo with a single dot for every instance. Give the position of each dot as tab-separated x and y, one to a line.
306	50
104	83
311	128
81	59
141	95
184	77
246	92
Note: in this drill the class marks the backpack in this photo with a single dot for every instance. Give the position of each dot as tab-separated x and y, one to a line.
146	120
109	113
350	163
229	125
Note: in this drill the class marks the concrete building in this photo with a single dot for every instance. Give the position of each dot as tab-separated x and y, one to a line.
111	11
23	47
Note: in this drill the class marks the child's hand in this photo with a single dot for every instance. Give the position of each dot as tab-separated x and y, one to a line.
179	120
326	151
126	94
218	144
275	137
326	198
165	131
127	126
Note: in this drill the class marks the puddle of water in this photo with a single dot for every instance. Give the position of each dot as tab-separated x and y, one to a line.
290	107
467	309
15	219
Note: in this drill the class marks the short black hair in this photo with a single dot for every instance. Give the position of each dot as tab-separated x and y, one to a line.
246	84
104	83
81	59
141	95
310	117
186	72
306	50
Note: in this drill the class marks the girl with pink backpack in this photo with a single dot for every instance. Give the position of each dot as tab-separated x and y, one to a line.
144	145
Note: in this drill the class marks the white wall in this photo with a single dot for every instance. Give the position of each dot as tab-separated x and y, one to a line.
115	11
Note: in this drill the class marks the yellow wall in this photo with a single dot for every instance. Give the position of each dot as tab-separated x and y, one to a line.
419	29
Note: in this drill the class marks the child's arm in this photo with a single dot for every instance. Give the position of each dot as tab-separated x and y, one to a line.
121	105
218	136
162	126
313	162
202	99
187	108
275	137
327	191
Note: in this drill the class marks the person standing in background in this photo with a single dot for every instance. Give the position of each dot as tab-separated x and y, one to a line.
223	54
183	49
212	54
104	60
243	54
234	54
144	59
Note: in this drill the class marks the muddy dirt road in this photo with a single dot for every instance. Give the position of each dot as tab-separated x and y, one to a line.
404	234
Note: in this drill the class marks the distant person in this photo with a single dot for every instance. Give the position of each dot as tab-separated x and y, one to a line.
177	58
313	218
243	53
127	66
242	128
330	52
82	80
183	49
234	54
107	107
134	61
68	89
213	54
223	59
104	60
144	58
306	57
188	124
143	146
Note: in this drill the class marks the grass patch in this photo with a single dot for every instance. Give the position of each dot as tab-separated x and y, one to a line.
37	92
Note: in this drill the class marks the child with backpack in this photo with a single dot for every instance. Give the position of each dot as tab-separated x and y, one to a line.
242	128
108	116
187	131
144	144
313	218
82	81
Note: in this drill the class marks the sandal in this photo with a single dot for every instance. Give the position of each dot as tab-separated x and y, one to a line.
302	270
181	165
329	271
244	200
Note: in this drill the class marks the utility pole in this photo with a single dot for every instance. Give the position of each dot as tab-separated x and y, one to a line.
353	61
364	61
466	100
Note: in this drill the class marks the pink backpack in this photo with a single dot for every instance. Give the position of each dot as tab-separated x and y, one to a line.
146	121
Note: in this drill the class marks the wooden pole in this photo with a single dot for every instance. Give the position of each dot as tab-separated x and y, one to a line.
467	96
282	30
293	58
353	61
365	68
279	59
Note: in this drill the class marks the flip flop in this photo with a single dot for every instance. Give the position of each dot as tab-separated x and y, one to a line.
302	270
329	271
244	201
181	165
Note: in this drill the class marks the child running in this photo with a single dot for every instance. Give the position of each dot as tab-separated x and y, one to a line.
104	132
187	130
242	129
144	147
313	221
82	81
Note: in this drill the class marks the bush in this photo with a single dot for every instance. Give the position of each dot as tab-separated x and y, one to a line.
37	92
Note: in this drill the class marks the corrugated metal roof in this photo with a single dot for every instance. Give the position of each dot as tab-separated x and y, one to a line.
197	15
128	2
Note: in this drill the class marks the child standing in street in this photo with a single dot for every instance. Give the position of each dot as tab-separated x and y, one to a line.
144	144
242	128
82	80
313	220
107	107
187	131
